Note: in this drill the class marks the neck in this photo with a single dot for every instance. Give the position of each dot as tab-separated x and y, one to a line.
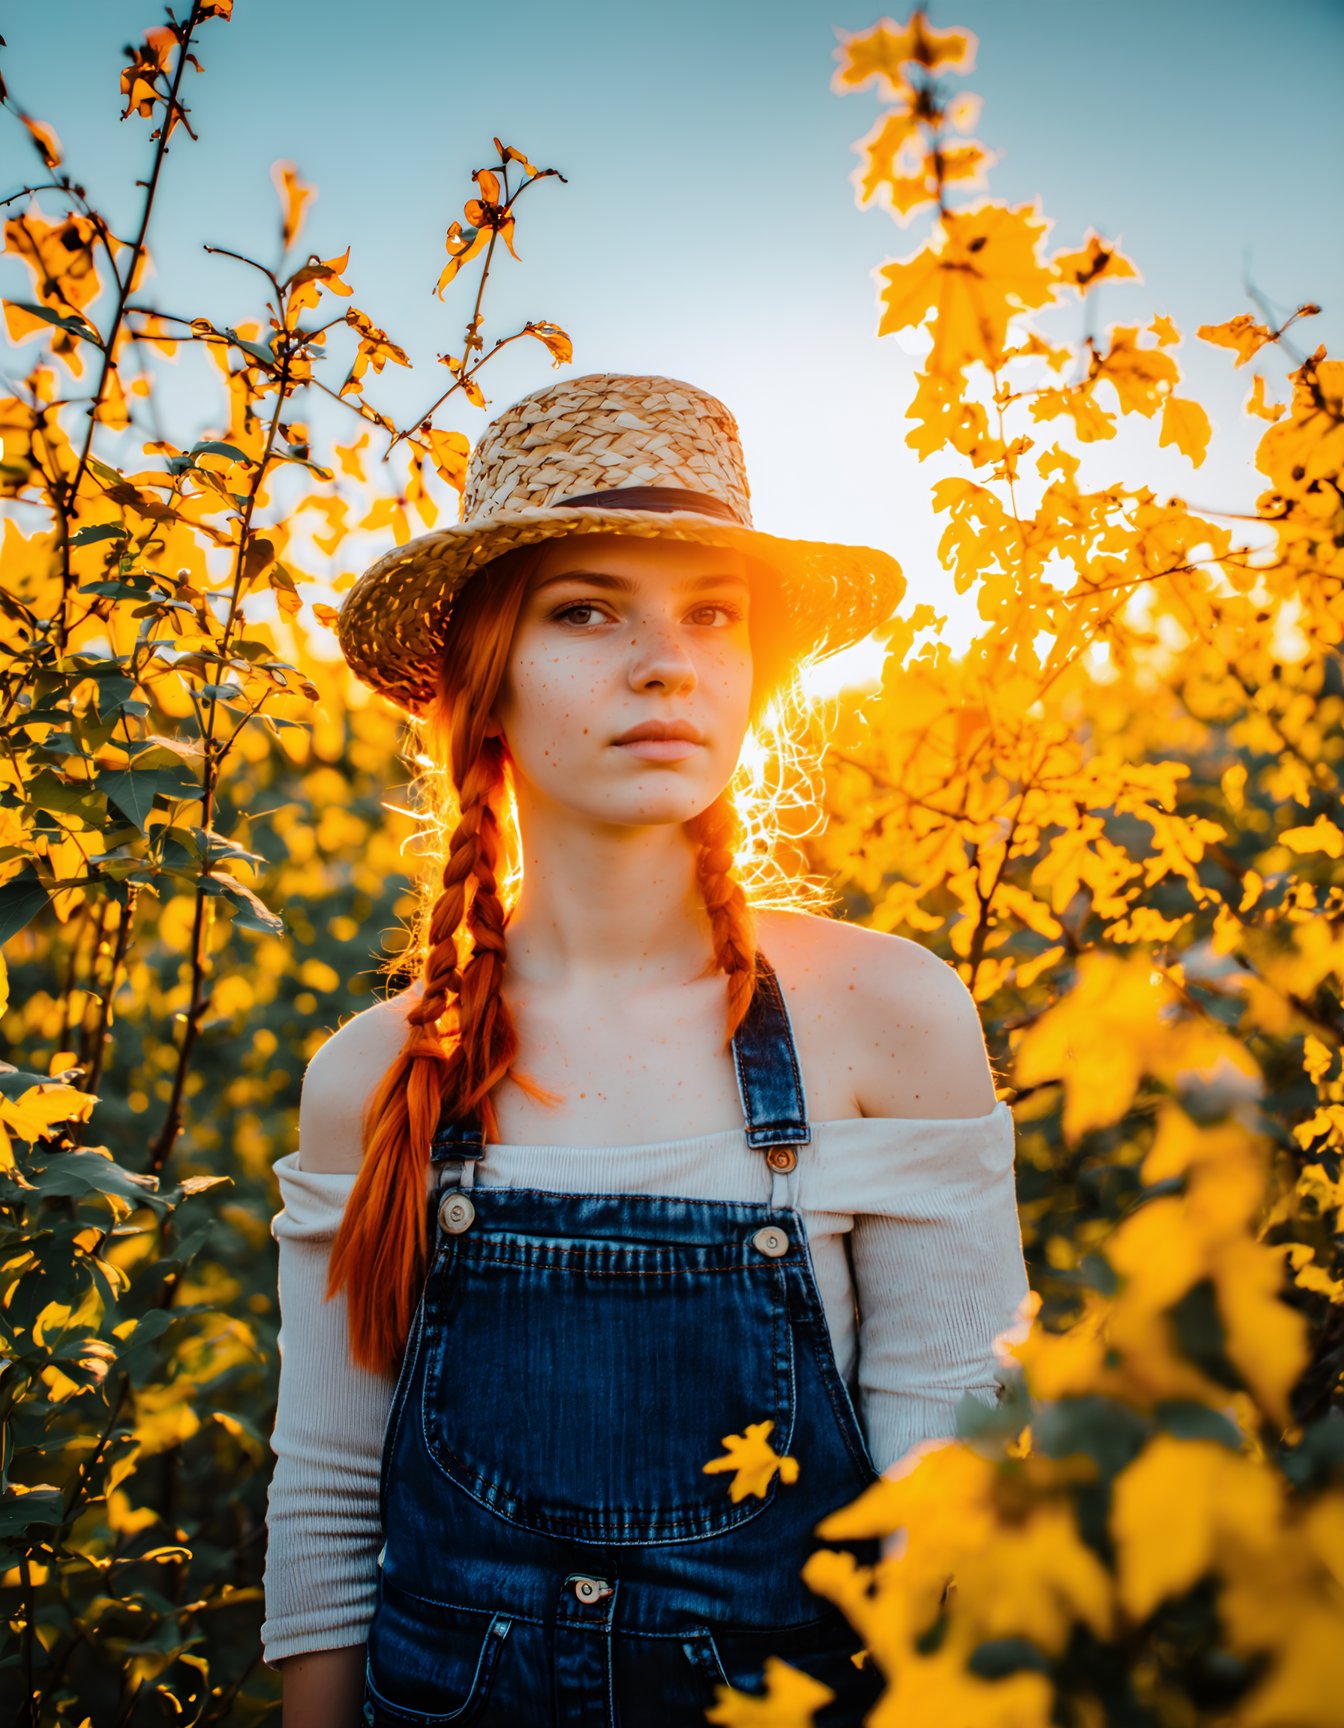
606	903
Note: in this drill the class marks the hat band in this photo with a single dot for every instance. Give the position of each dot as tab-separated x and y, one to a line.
654	498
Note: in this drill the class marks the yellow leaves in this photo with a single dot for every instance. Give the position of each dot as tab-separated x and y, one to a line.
1142	378
1011	1552
375	349
449	451
304	285
881	54
980	270
1242	334
295	197
1094	262
1120	1021
142	80
1166	332
753	1462
790	1700
1322	835
1186	425
1176	1506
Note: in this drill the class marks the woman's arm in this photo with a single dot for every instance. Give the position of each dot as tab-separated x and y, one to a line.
937	1243
323	1527
323	1688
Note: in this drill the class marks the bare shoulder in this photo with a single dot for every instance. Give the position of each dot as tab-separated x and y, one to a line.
899	1017
339	1080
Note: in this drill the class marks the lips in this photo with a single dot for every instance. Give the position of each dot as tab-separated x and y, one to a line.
661	729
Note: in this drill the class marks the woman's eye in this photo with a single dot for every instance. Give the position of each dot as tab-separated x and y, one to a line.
572	608
732	614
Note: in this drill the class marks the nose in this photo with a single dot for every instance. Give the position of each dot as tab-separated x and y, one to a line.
658	660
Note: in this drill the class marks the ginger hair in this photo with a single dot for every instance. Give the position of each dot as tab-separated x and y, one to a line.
461	1041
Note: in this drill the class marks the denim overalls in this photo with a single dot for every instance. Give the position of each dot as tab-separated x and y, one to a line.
555	1552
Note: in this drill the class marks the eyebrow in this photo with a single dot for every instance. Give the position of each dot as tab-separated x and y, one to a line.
624	584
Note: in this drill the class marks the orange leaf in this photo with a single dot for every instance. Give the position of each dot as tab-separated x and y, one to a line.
1095	260
448	452
508	152
45	138
1241	333
555	339
1256	403
1186	425
980	271
489	185
295	197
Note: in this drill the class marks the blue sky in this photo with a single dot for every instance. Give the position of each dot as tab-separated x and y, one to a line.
708	229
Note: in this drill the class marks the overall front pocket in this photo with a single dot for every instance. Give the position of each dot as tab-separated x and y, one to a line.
579	1388
428	1663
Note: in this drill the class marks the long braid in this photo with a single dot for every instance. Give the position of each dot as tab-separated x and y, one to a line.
461	1039
716	831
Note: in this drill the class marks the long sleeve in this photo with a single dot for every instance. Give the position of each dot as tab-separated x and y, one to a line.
323	1532
939	1275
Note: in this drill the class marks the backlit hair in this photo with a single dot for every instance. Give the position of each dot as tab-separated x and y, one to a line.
460	1041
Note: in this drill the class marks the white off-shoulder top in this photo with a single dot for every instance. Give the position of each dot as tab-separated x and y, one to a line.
929	1208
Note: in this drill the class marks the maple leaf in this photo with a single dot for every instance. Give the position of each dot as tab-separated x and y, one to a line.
790	1700
1096	260
882	150
751	1457
1241	333
1186	425
979	272
883	53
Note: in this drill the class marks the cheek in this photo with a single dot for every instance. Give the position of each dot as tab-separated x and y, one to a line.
547	710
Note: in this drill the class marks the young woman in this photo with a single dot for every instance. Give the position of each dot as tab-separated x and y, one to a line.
649	1226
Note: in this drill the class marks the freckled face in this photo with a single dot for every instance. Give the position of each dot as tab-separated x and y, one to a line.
617	631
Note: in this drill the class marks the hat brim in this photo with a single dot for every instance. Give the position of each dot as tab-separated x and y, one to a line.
392	624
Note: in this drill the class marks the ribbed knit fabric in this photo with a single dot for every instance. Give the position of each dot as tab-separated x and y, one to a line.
928	1204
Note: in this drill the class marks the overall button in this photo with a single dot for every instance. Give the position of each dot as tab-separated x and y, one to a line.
588	1589
771	1240
782	1158
456	1213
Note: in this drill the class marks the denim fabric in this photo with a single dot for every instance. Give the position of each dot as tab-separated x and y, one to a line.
554	1551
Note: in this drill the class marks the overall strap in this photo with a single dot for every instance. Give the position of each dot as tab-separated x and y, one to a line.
768	1076
457	1140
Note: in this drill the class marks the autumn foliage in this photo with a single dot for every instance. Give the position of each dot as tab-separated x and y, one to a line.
1117	812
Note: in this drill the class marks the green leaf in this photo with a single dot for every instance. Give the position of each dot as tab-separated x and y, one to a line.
250	913
82	1172
76	326
21	899
19	1512
996	1658
217	447
100	531
133	790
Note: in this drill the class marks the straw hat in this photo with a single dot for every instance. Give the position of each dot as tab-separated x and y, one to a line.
606	451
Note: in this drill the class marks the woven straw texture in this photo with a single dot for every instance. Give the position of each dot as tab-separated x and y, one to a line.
593	433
